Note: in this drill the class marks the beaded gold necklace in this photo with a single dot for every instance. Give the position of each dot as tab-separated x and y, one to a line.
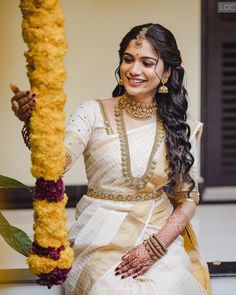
137	110
125	154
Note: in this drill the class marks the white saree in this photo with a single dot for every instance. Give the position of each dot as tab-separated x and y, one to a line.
105	230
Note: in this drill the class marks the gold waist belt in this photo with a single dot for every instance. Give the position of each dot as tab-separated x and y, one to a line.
131	197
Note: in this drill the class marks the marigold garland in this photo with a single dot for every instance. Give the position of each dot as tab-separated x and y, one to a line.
43	30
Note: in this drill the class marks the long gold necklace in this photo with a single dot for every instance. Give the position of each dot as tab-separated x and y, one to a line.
137	110
125	154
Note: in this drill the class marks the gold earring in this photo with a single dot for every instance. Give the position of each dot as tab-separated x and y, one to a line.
120	82
163	88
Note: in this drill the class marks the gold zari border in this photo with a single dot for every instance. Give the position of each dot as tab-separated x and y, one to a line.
132	197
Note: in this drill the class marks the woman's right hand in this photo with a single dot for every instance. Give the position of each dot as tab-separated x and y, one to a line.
23	103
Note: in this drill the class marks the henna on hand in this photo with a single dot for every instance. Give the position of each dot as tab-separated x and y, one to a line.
23	103
176	223
140	258
135	262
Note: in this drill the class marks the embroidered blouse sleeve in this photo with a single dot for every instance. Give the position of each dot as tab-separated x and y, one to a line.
78	132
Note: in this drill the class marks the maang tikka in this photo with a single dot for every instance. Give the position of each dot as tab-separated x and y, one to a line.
140	37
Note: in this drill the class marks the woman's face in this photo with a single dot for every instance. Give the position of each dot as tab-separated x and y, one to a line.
140	70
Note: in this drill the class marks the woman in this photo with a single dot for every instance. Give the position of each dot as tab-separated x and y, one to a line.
132	232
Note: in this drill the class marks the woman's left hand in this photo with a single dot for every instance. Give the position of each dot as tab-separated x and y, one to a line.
135	262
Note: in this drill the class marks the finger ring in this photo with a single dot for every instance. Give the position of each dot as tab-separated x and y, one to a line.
15	105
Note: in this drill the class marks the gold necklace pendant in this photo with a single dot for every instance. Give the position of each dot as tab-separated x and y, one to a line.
125	154
137	110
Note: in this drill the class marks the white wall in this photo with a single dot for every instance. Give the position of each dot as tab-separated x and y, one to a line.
94	30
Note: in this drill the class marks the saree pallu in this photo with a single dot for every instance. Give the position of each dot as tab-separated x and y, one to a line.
105	230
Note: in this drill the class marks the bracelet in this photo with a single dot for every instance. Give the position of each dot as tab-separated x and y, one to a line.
161	240
25	134
155	247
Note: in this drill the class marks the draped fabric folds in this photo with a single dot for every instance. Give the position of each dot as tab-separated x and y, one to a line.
105	230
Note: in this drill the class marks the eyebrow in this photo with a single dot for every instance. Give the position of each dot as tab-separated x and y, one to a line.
144	57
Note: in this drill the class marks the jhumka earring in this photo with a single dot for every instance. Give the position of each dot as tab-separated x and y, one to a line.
120	82
163	88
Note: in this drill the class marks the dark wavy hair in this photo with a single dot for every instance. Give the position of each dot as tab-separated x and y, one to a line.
172	107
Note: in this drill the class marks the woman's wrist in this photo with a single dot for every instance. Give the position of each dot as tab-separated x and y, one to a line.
155	248
163	239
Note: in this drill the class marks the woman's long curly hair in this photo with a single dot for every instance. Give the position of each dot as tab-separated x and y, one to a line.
172	107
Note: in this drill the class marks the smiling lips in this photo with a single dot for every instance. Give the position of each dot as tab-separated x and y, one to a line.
135	82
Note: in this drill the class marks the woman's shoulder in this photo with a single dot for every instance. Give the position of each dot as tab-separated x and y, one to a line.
94	103
196	127
109	101
88	104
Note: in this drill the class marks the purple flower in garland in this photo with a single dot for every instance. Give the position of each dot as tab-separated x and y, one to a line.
50	252
55	277
49	190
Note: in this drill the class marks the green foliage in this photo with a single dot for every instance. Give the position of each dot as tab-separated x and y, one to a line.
8	182
15	237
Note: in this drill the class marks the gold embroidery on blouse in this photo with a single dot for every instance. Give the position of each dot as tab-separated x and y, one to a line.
108	128
68	161
183	196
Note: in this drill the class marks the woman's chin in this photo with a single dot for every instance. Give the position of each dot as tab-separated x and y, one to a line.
134	91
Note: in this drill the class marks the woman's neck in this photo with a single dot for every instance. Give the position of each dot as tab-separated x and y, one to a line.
147	99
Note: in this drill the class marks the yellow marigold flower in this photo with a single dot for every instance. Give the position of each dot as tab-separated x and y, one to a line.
43	31
39	264
66	258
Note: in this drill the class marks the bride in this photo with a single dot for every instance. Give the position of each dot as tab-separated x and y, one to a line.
132	233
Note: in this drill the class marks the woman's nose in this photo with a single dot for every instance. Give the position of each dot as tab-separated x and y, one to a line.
135	69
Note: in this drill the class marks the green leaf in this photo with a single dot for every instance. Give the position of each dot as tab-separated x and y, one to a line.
16	239
12	183
3	221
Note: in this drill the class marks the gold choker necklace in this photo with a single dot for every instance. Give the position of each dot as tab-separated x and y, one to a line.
137	110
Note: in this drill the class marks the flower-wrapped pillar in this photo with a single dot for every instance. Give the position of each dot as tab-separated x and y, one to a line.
43	30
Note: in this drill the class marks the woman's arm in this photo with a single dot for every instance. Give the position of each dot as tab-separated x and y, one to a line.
78	130
176	223
141	257
74	146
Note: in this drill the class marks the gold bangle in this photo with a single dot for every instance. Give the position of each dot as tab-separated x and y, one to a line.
160	243
157	246
25	134
150	252
156	253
